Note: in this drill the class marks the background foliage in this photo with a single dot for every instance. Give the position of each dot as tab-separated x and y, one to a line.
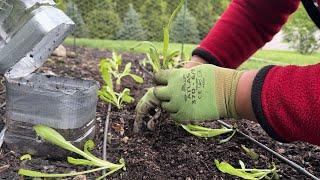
301	33
105	18
113	19
185	27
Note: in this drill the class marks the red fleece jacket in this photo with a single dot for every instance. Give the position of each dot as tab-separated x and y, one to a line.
286	100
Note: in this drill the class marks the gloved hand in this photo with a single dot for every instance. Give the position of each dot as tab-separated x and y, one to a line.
202	93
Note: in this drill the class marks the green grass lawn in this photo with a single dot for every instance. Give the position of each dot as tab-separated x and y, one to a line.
260	59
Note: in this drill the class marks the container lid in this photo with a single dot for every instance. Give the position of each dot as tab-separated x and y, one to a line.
29	46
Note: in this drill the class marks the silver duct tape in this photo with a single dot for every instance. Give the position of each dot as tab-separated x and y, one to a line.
2	131
26	44
58	102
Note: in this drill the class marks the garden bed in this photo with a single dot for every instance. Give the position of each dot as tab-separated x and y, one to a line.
167	153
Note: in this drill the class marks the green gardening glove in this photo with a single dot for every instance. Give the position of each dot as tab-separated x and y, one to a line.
202	93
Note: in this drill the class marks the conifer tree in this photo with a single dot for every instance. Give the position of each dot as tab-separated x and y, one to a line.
131	28
154	18
184	28
73	12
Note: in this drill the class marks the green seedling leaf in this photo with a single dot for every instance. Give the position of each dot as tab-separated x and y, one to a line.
136	78
127	72
205	132
30	173
104	68
175	12
250	152
88	147
79	162
108	95
228	138
166	40
25	157
143	62
110	68
127	68
55	138
154	59
243	172
117	59
227	168
166	34
148	43
243	166
125	96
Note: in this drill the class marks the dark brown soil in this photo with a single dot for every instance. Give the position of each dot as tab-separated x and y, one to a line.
168	152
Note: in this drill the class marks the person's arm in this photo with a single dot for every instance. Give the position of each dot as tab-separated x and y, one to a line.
284	100
244	27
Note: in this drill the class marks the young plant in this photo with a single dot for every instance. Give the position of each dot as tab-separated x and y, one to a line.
25	157
113	66
158	61
107	93
167	59
200	131
252	174
250	152
55	138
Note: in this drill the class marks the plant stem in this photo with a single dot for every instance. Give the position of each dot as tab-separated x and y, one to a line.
107	174
105	136
30	173
261	170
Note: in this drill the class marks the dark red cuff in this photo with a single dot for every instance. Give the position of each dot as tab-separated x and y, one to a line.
205	55
257	103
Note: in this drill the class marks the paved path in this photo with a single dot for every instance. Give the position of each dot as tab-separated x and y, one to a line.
277	44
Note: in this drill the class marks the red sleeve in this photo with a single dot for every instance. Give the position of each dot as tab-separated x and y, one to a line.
244	28
286	102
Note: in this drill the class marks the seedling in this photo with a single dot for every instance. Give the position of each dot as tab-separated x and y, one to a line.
113	64
208	132
250	152
25	157
107	93
158	61
117	99
167	59
55	138
244	173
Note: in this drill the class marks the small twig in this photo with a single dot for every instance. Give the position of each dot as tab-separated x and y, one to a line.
4	87
2	105
3	168
151	123
205	164
146	71
105	136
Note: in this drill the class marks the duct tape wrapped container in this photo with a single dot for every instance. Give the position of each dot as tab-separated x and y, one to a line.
29	32
68	105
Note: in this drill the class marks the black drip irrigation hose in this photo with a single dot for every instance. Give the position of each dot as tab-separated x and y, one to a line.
105	137
280	157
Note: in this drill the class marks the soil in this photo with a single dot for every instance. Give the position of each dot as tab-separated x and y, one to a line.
169	152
